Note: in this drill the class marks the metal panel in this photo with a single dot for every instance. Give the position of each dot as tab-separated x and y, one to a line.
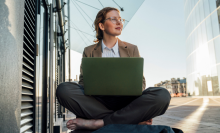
28	73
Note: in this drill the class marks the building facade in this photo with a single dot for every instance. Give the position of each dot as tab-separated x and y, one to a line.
202	20
33	64
176	87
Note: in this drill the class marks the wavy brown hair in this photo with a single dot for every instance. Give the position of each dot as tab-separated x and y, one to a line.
100	17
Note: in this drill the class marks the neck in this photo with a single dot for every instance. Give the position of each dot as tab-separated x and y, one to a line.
110	41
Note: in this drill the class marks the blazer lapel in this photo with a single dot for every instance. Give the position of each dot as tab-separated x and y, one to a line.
97	52
123	49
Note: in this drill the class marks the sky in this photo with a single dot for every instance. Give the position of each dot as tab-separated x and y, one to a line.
157	28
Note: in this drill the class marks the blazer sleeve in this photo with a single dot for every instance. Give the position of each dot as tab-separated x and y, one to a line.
137	54
81	72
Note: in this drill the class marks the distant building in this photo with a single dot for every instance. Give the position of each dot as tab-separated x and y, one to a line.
176	87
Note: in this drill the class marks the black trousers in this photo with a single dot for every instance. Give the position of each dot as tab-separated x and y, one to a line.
153	102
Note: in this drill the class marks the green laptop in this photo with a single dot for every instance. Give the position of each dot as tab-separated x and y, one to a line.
112	76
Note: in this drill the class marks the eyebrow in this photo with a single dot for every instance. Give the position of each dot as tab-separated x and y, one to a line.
116	17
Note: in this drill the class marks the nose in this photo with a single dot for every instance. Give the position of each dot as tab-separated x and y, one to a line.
118	22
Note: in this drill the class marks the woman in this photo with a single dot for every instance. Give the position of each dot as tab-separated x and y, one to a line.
93	112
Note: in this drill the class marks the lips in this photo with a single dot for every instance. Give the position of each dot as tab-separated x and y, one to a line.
118	28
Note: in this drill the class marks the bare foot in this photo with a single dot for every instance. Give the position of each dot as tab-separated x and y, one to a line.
148	122
80	123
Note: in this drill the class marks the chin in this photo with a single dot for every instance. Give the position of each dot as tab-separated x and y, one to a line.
117	34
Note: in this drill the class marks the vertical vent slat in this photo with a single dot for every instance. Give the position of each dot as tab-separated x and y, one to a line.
28	70
28	60
28	40
28	25
30	56
29	7
33	4
30	34
28	47
29	14
28	18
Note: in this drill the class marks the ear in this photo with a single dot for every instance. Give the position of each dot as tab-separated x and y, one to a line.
101	26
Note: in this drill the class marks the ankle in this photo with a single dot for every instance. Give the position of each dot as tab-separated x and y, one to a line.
98	123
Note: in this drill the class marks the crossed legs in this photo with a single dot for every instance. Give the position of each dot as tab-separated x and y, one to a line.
153	102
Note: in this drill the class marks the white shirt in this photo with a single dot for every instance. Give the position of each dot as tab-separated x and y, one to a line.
110	52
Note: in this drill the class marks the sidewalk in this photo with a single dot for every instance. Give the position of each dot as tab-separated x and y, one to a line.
192	115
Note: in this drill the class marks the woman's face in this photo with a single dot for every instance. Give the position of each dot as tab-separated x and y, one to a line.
110	28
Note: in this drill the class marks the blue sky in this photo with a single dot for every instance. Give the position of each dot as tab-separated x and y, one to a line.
157	28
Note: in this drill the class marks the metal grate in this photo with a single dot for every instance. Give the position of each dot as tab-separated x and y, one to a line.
27	98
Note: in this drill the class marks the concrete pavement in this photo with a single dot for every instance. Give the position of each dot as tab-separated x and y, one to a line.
192	115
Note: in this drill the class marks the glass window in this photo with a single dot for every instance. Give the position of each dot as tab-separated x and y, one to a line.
217	49
217	92
218	12
186	9
187	29
192	63
190	45
206	7
190	5
215	24
196	39
193	42
198	20
194	19
191	25
199	35
212	53
204	35
209	28
194	3
214	79
212	4
201	10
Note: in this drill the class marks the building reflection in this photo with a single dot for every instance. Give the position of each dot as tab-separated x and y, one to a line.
207	86
202	20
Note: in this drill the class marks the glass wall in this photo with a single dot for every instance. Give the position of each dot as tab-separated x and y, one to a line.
202	22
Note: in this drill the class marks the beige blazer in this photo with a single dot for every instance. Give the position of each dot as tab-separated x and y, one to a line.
125	50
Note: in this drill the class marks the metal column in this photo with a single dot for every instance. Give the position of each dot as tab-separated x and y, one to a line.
69	40
51	98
